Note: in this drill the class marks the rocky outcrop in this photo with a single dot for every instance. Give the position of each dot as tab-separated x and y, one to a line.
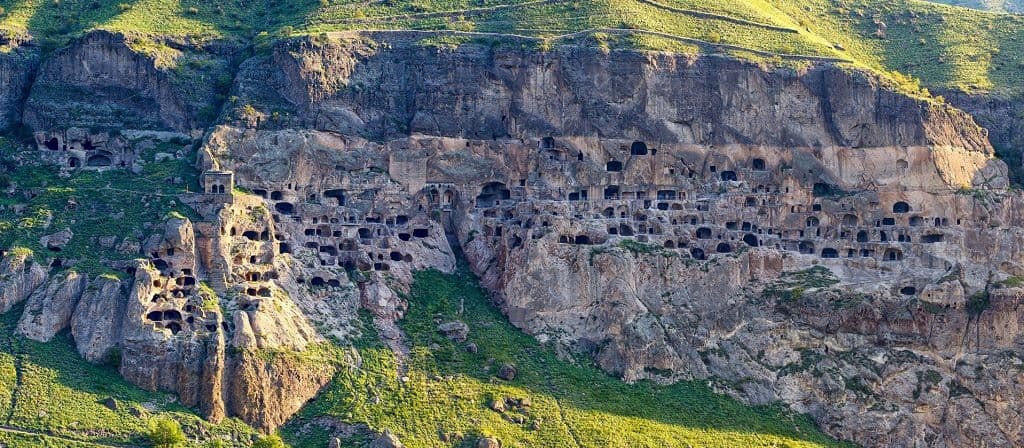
20	274
18	62
50	307
810	237
114	81
96	322
670	236
482	92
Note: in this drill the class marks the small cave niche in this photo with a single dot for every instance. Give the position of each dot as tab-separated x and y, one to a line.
160	264
892	255
723	248
908	290
175	327
757	164
901	207
420	233
98	160
697	253
829	252
337	194
395	256
751	240
276	195
53	144
73	162
613	166
703	233
806	248
251	235
284	208
582	239
491	193
729	176
638	148
932	238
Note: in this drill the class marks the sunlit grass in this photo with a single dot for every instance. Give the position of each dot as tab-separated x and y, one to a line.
447	391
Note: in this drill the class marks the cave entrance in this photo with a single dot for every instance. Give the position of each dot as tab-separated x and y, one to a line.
491	194
337	195
98	160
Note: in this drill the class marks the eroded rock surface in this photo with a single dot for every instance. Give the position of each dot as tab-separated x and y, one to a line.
809	237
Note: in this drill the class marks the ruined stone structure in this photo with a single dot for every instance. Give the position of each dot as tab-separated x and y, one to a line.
77	148
814	238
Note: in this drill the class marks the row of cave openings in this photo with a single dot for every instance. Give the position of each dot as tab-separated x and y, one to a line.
97	159
181	289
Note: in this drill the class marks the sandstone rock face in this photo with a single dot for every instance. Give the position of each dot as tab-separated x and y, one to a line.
96	322
102	81
18	62
20	274
811	237
786	235
50	307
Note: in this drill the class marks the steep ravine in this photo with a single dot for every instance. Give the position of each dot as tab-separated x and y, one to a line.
810	237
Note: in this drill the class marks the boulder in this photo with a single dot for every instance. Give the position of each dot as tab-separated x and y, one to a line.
507	372
454	330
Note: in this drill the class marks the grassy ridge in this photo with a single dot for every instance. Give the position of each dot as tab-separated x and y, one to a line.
943	46
446	396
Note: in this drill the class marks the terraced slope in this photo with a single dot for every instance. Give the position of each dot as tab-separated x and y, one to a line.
943	46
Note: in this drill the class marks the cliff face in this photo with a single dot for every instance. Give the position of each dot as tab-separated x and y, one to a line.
112	81
809	237
353	85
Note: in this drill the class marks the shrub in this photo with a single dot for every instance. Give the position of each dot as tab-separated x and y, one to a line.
271	441
165	432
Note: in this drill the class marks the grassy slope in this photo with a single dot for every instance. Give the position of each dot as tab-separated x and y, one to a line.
1016	6
943	46
94	205
448	391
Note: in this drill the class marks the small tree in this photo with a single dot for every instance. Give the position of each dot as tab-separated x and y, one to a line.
165	432
271	441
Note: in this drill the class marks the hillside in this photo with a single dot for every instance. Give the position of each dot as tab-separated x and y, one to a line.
511	223
1012	6
943	46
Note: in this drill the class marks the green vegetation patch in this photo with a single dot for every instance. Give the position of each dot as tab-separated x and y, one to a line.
446	395
791	286
103	209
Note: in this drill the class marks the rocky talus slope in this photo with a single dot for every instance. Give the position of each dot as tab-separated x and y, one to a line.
808	237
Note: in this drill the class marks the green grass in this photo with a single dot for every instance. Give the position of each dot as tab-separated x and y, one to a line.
449	390
94	205
47	388
934	44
